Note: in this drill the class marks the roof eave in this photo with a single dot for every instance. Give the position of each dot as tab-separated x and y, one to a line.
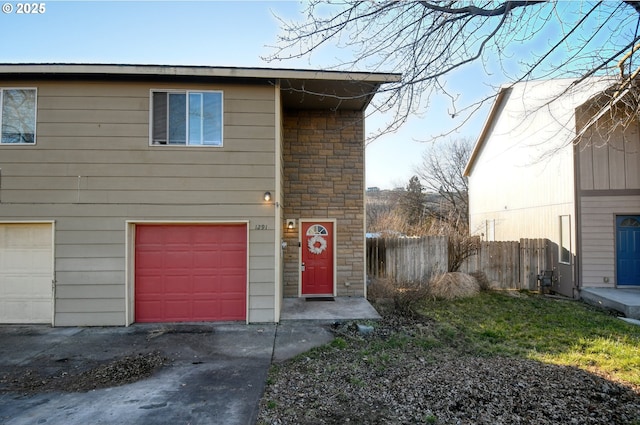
195	71
493	114
313	89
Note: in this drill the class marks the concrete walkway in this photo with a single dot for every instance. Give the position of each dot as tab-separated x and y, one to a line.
328	309
216	373
623	300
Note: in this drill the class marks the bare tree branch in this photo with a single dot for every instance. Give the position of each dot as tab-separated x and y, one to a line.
478	11
442	172
427	41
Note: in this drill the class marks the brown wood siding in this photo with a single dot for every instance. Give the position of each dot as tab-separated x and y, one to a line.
92	169
610	160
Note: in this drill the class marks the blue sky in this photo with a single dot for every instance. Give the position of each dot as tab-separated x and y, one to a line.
218	33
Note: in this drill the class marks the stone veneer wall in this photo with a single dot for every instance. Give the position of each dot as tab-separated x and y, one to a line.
323	164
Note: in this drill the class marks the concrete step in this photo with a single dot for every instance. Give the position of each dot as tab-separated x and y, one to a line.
623	300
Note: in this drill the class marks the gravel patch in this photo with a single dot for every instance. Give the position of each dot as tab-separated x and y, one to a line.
71	375
398	374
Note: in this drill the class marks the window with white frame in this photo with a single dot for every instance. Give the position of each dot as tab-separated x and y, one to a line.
490	230
188	118
17	116
565	239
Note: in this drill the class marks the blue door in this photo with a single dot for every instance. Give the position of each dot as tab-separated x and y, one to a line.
628	249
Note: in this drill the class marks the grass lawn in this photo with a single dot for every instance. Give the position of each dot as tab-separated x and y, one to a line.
549	330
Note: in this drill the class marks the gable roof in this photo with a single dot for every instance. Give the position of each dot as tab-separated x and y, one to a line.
301	89
562	91
493	113
610	98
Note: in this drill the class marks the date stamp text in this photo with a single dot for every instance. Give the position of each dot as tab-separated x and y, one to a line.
24	8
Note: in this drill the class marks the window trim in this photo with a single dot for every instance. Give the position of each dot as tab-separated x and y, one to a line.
186	92
490	230
35	116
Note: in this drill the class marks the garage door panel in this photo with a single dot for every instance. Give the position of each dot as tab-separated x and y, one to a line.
27	236
32	309
178	309
205	285
31	287
207	259
148	308
177	286
229	308
231	260
201	308
177	236
26	256
179	257
232	300
148	284
229	284
196	272
146	264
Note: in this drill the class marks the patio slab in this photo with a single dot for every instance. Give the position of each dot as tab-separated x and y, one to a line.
328	310
623	300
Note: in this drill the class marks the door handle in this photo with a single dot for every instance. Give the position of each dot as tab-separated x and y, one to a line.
302	267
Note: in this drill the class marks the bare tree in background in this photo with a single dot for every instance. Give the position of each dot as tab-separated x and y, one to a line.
434	202
382	213
398	212
412	205
442	173
429	40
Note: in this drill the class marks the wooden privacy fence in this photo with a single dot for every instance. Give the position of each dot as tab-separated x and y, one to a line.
509	265
407	258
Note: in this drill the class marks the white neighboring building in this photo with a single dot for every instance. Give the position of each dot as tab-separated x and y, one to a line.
526	181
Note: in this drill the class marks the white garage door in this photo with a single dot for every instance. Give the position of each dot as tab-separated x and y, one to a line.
26	273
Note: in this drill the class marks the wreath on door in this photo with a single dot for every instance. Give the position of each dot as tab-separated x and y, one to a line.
317	244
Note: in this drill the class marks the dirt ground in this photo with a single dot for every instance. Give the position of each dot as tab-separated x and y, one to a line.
396	374
393	377
69	375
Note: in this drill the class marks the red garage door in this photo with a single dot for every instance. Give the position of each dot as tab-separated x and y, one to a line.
187	273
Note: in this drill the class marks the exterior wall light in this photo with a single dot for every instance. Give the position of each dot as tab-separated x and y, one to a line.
291	223
267	196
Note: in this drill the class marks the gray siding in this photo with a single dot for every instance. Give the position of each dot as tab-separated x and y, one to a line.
92	169
608	155
598	246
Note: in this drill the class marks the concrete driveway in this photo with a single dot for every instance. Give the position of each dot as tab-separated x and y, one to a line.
215	375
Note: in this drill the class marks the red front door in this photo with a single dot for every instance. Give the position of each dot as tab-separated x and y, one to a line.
317	258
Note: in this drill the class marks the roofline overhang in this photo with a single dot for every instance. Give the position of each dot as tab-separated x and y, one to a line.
617	98
304	88
505	90
195	71
493	113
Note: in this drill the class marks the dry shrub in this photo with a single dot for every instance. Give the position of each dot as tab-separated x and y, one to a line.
483	280
449	286
403	298
380	289
409	297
